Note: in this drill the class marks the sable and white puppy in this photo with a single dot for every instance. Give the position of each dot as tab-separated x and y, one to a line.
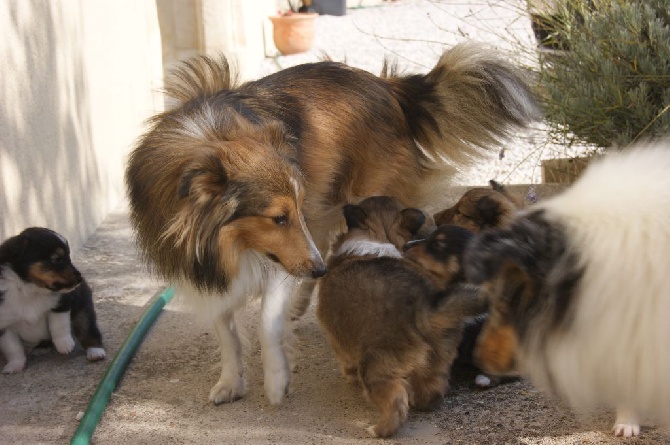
579	289
43	297
482	208
237	190
394	327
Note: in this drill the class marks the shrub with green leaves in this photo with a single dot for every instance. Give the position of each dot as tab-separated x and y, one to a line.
610	83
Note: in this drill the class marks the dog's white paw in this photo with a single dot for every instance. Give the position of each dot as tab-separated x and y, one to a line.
626	429
276	385
14	366
371	431
225	392
483	381
626	423
95	354
64	344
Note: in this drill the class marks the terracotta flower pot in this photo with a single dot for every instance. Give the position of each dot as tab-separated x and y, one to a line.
294	33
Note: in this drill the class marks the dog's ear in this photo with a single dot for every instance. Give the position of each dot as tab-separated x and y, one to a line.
488	210
13	247
498	187
412	220
513	289
355	216
205	177
486	253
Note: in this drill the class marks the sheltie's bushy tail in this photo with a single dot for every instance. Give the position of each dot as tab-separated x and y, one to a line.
472	100
200	77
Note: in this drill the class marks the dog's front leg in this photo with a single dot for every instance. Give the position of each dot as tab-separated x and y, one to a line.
61	332
276	367
231	385
12	348
302	299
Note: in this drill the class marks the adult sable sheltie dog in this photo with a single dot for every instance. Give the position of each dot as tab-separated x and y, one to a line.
579	289
236	191
43	298
394	326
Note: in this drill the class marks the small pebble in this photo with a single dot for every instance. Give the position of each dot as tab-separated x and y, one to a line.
79	415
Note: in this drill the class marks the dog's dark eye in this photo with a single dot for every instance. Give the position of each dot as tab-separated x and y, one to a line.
281	220
57	259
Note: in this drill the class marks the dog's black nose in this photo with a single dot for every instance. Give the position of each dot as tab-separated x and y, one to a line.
318	273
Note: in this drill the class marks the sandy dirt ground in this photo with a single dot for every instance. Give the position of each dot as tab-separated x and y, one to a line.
162	398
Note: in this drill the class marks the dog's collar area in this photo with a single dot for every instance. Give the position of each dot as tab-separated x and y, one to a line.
358	247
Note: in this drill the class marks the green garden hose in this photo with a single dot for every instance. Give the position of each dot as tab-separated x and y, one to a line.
118	366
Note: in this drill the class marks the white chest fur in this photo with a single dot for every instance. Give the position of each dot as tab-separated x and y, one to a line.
25	306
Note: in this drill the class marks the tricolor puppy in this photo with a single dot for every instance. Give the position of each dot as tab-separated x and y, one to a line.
43	297
391	326
579	289
482	208
237	190
441	254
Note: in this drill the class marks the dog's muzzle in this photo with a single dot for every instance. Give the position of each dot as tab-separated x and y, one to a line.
319	271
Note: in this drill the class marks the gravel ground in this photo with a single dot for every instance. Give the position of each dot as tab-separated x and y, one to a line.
415	33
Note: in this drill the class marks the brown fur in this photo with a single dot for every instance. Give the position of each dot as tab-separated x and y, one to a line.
441	253
482	208
43	274
244	175
392	327
225	150
498	343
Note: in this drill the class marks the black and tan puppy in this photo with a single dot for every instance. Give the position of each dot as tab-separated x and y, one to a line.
482	208
43	298
441	254
392	327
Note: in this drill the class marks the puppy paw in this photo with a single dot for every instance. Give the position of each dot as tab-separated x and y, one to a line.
626	423
626	429
14	366
95	354
482	381
382	430
276	385
226	392
391	420
64	344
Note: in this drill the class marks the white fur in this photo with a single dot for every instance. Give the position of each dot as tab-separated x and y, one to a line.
482	381
61	333
25	314
367	247
95	354
616	352
258	277
11	347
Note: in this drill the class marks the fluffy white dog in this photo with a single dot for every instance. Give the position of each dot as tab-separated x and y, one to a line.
580	289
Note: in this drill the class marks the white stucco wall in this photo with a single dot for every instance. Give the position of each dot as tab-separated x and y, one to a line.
77	80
